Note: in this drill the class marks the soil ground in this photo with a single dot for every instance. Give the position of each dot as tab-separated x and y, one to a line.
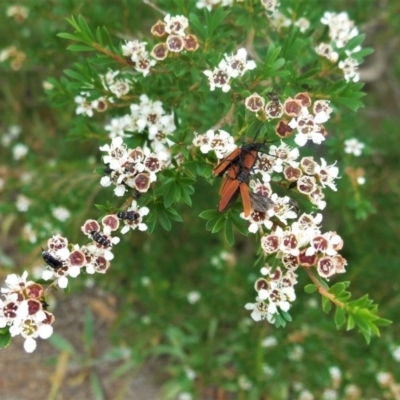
52	374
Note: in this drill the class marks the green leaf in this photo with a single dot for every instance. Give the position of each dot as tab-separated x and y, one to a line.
5	338
350	322
69	36
383	322
88	330
359	55
337	288
208	214
354	42
229	236
326	305
198	26
340	317
79	47
173	214
164	220
219	224
215	21
61	343
96	388
310	288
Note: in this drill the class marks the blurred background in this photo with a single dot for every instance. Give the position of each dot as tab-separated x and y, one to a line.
167	321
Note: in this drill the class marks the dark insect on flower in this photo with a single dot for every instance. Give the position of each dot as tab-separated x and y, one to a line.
294	205
261	203
273	97
129	215
45	305
107	170
100	239
136	194
50	260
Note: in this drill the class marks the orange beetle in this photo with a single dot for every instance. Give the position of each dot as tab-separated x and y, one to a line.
238	166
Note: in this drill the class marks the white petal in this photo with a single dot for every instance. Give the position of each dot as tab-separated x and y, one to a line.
284	305
45	331
249	306
22	311
272	308
256	315
47	274
15	330
3	322
105	181
62	282
74	271
142	227
40	316
300	139
120	190
143	211
124	230
263	294
253	228
90	269
115	240
29	345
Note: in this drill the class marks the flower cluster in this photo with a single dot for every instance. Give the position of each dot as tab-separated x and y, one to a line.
220	141
135	168
341	30
279	21
118	87
210	3
275	291
177	39
23	310
23	307
269	5
301	244
17	57
308	124
147	115
137	54
18	12
86	107
230	67
294	240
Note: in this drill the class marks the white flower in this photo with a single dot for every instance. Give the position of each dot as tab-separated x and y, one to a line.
396	353
19	151
296	353
22	203
303	24
61	213
176	25
259	311
326	50
269	341
350	69
85	107
185	396
341	28
193	297
353	146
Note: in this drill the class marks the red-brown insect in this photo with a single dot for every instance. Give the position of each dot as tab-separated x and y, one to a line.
238	166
